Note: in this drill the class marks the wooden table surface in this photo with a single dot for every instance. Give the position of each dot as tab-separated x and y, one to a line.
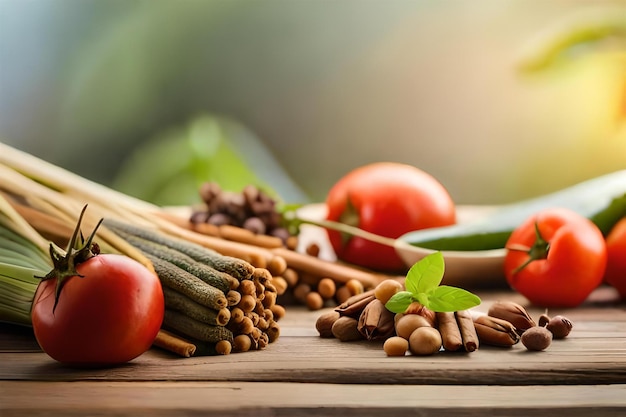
303	374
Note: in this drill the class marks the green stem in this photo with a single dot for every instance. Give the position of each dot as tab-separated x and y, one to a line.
77	252
342	228
539	250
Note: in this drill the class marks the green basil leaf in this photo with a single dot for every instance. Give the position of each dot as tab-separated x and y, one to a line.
422	298
426	274
399	302
445	299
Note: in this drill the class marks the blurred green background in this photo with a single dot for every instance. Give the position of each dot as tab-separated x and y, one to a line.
498	99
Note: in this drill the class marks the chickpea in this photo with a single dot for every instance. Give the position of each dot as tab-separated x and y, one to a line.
291	276
425	341
386	289
396	346
314	300
300	291
342	294
327	288
355	286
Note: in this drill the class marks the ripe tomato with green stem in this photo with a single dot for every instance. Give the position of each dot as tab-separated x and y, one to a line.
387	199
96	309
615	274
556	258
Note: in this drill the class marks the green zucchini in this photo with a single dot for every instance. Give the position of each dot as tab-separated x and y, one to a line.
602	200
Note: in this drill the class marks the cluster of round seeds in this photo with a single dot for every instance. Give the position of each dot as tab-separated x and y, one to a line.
251	209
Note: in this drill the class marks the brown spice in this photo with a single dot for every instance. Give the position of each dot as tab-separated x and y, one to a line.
354	305
346	329
496	332
376	322
174	343
514	313
325	323
469	334
450	331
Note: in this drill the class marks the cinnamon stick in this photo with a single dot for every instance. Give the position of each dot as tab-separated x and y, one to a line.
174	343
468	331
341	273
239	234
354	306
450	331
376	322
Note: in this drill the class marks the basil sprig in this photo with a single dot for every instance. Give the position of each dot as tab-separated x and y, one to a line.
423	286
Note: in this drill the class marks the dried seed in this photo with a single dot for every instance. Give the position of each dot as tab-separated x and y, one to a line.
324	323
514	313
559	326
496	332
346	329
326	288
537	338
396	346
314	301
376	322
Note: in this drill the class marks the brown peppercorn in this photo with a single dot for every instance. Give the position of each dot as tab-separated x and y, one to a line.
559	326
537	338
544	319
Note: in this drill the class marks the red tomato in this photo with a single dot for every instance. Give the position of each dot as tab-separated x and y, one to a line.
387	199
108	316
555	258
615	274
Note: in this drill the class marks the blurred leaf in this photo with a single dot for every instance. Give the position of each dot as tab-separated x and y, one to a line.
573	37
170	168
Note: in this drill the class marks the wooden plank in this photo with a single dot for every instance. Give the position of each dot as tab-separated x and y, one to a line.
278	399
594	353
584	360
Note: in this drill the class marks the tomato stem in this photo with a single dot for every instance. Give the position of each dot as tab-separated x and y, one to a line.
343	228
77	252
539	250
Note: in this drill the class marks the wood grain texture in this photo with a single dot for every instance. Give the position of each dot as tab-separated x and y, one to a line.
283	399
303	374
